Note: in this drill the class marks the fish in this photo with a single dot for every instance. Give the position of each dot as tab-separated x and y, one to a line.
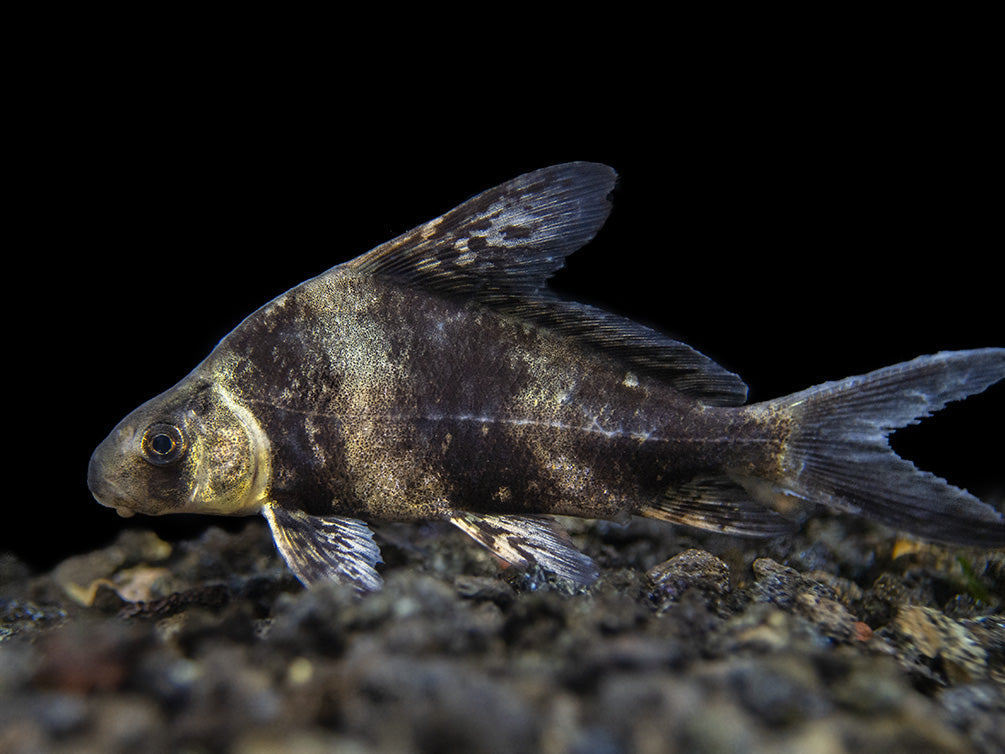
438	377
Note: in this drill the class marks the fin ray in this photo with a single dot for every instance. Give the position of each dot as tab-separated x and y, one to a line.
838	452
505	241
320	548
522	540
717	504
639	348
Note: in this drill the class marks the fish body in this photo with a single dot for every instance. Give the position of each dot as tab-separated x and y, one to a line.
436	377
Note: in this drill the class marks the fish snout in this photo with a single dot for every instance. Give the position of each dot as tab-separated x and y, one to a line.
101	486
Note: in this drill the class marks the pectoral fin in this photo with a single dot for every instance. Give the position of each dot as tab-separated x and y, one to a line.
319	548
522	540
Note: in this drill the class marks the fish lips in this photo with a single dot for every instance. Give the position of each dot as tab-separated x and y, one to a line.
102	488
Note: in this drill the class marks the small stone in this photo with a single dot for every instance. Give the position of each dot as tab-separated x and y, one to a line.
690	569
940	643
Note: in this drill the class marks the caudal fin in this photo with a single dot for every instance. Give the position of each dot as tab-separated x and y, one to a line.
838	451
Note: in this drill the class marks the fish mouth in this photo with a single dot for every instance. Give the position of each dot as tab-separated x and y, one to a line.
104	490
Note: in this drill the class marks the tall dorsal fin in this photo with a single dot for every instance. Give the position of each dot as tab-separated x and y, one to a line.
499	248
508	240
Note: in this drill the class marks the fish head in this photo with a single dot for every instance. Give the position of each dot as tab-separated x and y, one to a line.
192	449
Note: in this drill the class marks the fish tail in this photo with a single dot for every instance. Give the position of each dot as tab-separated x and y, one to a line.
837	450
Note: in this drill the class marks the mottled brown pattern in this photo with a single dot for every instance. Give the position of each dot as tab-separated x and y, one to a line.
396	410
436	377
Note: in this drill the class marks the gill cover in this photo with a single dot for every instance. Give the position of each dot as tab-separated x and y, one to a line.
192	449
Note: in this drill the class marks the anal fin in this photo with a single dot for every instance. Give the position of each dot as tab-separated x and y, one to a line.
717	504
523	540
320	548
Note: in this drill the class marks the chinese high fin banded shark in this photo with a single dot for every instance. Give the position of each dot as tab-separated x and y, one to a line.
437	377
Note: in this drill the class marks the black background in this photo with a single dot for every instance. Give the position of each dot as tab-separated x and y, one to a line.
796	230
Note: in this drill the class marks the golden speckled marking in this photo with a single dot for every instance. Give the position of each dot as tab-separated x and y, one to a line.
436	376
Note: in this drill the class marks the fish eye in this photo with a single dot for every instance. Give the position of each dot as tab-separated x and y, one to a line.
162	444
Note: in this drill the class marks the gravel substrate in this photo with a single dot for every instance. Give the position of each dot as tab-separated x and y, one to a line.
840	639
